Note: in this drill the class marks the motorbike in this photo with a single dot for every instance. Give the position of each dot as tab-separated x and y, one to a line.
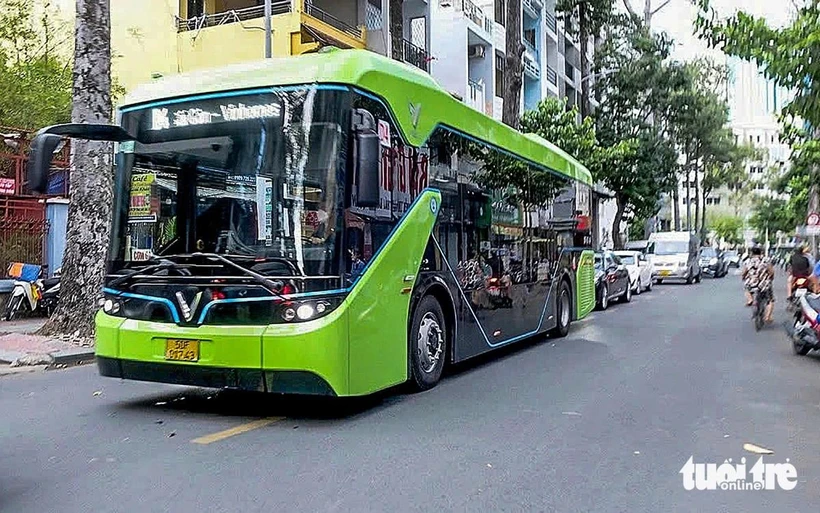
759	311
805	332
39	297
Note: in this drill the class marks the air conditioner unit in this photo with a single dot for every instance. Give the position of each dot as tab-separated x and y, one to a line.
476	52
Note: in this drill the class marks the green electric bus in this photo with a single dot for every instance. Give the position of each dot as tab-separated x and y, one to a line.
334	223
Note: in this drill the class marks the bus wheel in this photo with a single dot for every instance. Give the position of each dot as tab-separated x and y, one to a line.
428	344
563	312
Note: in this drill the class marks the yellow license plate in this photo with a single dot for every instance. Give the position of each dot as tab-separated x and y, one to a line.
182	350
666	273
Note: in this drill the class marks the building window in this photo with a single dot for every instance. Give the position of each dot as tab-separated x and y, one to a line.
500	9
195	8
499	75
758	138
713	201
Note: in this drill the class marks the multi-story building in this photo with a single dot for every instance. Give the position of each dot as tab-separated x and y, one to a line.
461	43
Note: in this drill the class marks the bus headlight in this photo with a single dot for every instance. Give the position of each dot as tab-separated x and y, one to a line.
306	310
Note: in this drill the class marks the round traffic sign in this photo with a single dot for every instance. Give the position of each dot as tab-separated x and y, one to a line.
813	219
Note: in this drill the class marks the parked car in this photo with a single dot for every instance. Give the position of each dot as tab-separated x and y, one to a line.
712	262
732	258
640	272
611	279
675	256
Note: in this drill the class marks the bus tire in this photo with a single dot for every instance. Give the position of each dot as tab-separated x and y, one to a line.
427	348
563	312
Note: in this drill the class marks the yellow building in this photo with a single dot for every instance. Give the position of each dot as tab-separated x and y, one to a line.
163	37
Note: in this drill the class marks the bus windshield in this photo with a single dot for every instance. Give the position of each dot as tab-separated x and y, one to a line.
257	179
671	247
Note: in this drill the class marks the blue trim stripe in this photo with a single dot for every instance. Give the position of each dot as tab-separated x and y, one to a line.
130	295
472	312
229	94
346	290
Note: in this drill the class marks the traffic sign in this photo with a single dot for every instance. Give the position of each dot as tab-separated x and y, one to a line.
813	219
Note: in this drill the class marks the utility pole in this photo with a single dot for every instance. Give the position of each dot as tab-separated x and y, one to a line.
268	29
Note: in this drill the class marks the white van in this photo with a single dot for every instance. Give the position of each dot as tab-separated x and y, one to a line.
675	256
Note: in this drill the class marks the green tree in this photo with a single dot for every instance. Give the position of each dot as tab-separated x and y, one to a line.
725	167
728	228
787	55
513	65
632	123
772	215
34	80
586	18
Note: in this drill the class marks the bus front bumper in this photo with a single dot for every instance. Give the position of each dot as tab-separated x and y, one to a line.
253	380
306	358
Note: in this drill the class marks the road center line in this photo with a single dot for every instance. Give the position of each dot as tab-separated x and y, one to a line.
237	430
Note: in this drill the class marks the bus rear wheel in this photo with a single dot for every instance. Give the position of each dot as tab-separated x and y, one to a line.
428	344
563	312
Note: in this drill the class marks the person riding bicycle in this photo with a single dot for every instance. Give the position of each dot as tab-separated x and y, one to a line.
758	273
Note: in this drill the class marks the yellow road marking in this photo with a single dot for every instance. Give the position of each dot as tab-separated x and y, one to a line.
237	430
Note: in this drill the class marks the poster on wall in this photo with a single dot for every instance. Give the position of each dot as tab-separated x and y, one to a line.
141	208
6	185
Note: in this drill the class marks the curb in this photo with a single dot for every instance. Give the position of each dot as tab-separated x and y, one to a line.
85	355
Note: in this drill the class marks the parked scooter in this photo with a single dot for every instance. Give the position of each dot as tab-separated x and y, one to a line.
805	329
39	297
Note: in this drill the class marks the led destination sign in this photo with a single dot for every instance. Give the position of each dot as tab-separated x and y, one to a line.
164	118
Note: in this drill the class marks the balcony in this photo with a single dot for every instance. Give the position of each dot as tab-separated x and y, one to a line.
473	13
530	9
415	55
325	17
476	95
552	23
531	68
232	16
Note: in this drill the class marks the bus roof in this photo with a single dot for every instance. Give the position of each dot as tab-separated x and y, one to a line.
403	87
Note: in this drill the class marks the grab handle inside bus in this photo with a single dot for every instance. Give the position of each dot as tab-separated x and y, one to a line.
47	141
367	154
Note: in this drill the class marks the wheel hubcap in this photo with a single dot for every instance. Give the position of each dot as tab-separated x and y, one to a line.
430	342
564	309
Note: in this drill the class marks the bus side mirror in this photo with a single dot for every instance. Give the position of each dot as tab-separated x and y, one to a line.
39	161
367	159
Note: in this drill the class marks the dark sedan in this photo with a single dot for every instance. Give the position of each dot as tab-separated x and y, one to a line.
713	262
611	279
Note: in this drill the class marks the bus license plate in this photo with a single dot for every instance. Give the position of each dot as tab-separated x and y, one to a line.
182	350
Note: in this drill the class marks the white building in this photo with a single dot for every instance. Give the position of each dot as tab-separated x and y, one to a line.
462	44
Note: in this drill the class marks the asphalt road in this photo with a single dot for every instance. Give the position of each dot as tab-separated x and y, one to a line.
602	420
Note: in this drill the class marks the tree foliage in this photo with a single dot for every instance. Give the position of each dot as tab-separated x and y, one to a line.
632	122
773	214
34	79
727	227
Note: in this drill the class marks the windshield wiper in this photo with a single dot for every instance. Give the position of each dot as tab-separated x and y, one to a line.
162	264
267	283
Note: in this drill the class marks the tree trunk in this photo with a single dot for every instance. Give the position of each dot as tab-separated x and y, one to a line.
688	196
703	217
617	241
676	208
397	29
585	66
513	66
599	42
697	198
89	213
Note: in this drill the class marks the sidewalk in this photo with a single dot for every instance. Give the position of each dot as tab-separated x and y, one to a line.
19	346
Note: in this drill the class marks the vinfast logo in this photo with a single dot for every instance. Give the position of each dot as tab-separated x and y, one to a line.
728	476
415	111
188	310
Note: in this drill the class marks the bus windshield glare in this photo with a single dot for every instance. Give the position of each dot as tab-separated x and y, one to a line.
257	179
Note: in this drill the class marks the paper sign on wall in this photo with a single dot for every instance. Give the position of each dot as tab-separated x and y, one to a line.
384	133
